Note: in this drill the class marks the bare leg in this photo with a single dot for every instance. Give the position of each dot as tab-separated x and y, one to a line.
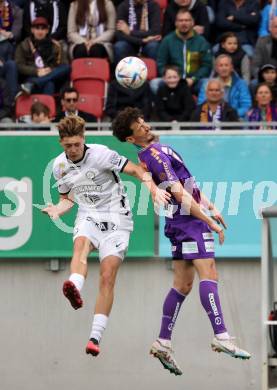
78	267
108	271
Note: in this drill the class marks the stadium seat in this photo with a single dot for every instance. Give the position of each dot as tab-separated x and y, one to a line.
90	76
24	102
90	68
91	104
151	68
163	5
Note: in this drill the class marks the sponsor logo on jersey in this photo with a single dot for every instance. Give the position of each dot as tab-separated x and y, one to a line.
90	175
213	304
115	159
209	246
88	188
189	247
207	236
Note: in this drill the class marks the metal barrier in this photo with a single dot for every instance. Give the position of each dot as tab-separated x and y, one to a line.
267	298
160	126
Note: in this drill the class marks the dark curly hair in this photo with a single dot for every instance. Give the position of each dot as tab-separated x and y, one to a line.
123	121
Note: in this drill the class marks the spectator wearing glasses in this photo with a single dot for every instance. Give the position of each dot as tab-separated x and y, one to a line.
69	100
41	61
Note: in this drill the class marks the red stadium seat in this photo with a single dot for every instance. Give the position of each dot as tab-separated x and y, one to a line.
163	5
24	102
90	68
151	68
91	104
90	76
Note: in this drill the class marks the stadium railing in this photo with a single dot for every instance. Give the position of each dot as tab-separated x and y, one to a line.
164	127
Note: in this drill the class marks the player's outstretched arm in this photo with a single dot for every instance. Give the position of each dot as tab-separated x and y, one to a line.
215	214
159	196
57	210
192	207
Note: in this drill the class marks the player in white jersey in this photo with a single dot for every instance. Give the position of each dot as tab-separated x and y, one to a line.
89	176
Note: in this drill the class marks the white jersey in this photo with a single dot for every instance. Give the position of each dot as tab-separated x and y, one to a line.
94	181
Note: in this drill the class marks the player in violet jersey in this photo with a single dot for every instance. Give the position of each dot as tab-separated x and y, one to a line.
189	230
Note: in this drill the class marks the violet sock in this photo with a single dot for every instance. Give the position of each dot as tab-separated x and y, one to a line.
210	301
171	307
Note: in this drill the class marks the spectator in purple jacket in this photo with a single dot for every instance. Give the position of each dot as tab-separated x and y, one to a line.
264	109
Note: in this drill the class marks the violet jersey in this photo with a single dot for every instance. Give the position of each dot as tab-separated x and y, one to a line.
168	167
94	181
190	237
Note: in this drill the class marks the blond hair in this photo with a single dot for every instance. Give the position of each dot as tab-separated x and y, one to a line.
70	126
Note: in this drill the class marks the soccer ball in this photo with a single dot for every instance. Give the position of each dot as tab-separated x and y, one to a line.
131	72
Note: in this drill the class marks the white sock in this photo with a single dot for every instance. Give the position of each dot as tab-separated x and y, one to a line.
222	336
99	324
78	280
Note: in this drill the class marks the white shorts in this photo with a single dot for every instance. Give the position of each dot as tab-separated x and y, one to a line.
108	237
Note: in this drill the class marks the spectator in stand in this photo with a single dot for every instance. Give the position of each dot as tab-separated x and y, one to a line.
198	11
91	28
5	102
268	12
174	101
10	28
265	50
214	109
185	49
41	60
264	110
229	44
236	92
52	10
241	17
138	29
69	101
40	113
119	97
20	3
268	75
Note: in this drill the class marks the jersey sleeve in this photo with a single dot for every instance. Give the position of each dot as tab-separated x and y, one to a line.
161	168
60	182
111	160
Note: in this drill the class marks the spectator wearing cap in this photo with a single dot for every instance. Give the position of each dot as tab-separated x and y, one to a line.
268	75
266	50
52	10
69	101
198	11
41	60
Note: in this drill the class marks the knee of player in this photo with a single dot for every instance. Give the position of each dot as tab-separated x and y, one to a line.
184	288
